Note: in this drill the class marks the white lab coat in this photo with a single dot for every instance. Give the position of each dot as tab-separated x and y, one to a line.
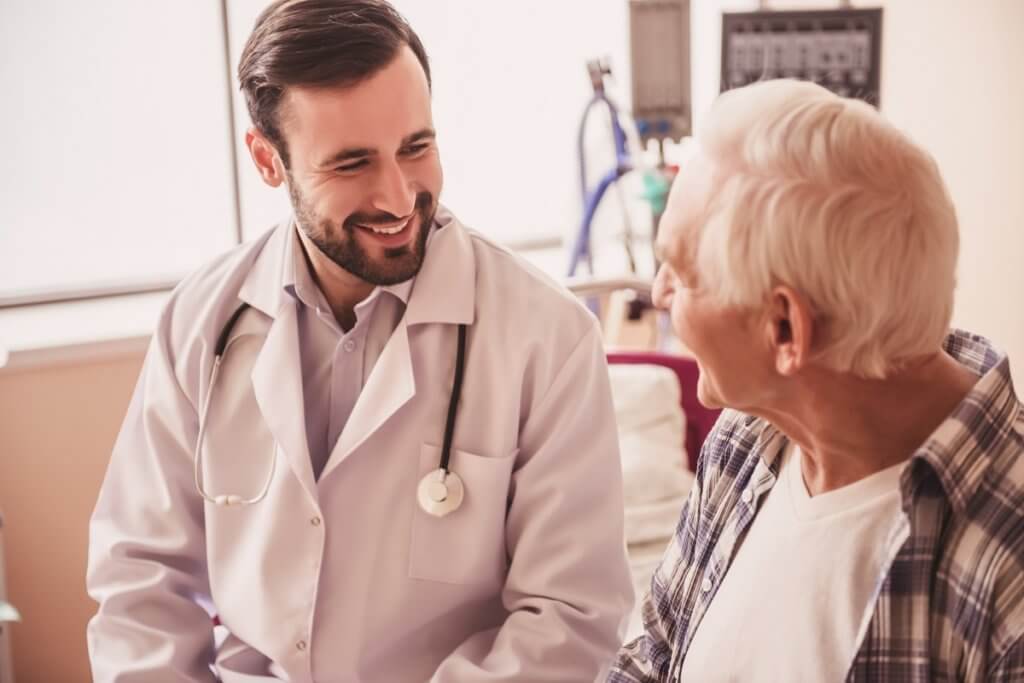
346	578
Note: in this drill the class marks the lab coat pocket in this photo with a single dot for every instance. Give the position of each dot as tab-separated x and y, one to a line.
468	545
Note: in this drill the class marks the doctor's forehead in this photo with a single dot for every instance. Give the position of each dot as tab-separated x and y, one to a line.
376	113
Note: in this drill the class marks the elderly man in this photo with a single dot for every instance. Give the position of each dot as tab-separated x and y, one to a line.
858	512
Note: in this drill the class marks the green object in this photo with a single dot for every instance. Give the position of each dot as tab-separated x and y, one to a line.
8	613
655	191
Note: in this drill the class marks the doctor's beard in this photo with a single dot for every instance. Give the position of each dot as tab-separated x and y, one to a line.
339	243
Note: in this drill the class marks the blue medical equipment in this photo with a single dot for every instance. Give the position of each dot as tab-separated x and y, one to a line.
623	165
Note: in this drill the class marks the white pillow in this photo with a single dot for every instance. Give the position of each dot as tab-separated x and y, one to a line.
651	426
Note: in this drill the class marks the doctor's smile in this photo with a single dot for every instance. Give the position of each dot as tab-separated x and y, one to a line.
388	233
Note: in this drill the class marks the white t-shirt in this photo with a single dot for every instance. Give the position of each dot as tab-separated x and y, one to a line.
791	605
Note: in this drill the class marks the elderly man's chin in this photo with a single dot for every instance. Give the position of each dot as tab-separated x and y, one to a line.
706	393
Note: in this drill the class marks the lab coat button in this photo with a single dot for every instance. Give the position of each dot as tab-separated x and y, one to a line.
706	585
748	495
300	646
315	521
349	345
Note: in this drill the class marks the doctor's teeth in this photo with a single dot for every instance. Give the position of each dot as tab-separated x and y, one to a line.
388	231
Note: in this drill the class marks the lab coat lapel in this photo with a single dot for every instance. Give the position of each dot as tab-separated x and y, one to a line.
277	373
445	289
277	382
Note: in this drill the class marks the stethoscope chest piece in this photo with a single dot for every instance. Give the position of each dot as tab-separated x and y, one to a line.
440	493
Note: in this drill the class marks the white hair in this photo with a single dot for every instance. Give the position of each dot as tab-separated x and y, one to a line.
820	193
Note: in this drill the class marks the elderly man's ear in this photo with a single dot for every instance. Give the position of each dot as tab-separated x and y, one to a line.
789	328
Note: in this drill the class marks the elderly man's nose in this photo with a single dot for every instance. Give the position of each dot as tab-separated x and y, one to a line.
661	293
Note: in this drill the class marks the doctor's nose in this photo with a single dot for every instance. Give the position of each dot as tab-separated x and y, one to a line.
394	193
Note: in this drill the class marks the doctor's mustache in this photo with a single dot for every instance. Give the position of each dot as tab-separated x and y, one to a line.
424	207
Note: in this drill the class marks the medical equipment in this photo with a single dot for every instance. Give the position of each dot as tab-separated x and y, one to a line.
660	61
623	164
838	49
660	75
439	493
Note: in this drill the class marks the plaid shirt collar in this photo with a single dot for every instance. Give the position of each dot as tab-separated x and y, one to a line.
954	453
957	452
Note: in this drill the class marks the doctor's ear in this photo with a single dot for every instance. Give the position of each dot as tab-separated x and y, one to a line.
789	326
265	156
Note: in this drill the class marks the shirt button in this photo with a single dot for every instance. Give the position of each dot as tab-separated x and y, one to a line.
315	521
706	585
748	495
349	345
300	646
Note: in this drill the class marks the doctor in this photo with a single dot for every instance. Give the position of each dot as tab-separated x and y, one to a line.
319	518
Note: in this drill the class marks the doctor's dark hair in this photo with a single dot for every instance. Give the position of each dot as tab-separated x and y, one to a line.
317	43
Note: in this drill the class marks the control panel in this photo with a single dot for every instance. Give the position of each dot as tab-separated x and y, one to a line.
838	49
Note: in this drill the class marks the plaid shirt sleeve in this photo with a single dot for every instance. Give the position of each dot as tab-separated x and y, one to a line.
1009	667
647	659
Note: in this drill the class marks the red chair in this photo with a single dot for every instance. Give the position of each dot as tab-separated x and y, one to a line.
699	420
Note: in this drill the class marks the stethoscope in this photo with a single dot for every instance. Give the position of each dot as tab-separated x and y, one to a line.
439	493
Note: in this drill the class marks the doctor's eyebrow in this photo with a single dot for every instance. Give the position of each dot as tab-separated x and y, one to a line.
353	153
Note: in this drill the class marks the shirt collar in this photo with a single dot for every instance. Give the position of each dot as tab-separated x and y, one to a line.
959	452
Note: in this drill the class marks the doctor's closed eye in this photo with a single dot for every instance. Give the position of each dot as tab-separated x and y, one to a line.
352	166
415	149
409	152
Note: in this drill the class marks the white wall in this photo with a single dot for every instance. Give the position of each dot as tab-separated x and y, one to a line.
116	160
953	81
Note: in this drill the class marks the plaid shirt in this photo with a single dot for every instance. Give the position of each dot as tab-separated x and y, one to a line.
950	603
